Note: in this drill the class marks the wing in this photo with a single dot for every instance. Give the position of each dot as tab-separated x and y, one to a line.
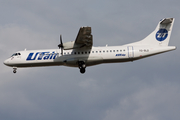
84	37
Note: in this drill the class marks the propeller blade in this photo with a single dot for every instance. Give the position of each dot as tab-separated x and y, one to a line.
61	45
61	40
61	51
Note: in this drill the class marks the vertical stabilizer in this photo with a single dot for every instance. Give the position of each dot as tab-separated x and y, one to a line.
160	36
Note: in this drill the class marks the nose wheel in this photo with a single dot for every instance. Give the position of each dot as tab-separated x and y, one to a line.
82	70
82	66
14	69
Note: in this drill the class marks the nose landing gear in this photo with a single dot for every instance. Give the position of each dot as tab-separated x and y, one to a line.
14	69
82	66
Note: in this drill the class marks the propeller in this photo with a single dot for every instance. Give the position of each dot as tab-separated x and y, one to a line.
61	45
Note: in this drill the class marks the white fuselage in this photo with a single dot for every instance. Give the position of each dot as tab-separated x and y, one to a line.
80	53
93	56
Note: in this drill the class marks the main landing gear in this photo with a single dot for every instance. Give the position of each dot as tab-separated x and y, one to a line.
14	69
82	66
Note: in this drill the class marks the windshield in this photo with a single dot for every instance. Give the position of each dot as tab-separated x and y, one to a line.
16	54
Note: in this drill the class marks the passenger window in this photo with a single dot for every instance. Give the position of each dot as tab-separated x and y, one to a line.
92	51
110	50
85	52
113	50
81	52
104	51
89	52
99	51
74	52
96	51
117	50
78	52
107	51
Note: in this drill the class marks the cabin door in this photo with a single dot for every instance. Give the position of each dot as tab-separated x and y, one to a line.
130	51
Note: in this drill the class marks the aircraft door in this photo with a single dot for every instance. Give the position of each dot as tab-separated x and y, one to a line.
130	51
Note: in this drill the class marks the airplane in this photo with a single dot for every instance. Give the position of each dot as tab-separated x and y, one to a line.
81	54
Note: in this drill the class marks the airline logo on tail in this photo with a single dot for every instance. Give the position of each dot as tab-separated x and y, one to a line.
161	35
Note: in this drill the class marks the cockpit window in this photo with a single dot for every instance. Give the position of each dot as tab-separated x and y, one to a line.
16	54
13	55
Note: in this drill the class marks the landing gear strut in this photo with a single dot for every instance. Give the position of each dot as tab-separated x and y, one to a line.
82	66
14	69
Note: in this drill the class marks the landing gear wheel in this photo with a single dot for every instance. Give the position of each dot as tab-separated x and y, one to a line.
82	70
14	69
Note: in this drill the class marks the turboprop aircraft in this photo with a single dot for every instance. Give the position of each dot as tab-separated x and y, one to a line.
80	53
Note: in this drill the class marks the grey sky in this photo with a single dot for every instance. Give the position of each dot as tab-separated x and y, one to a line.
148	89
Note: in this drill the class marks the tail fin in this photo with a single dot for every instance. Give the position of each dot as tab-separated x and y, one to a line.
160	36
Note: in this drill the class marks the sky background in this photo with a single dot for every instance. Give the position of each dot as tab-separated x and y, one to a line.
148	89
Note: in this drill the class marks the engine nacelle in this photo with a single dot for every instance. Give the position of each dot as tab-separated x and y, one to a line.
71	45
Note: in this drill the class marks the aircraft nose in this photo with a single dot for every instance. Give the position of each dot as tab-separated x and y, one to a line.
6	62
